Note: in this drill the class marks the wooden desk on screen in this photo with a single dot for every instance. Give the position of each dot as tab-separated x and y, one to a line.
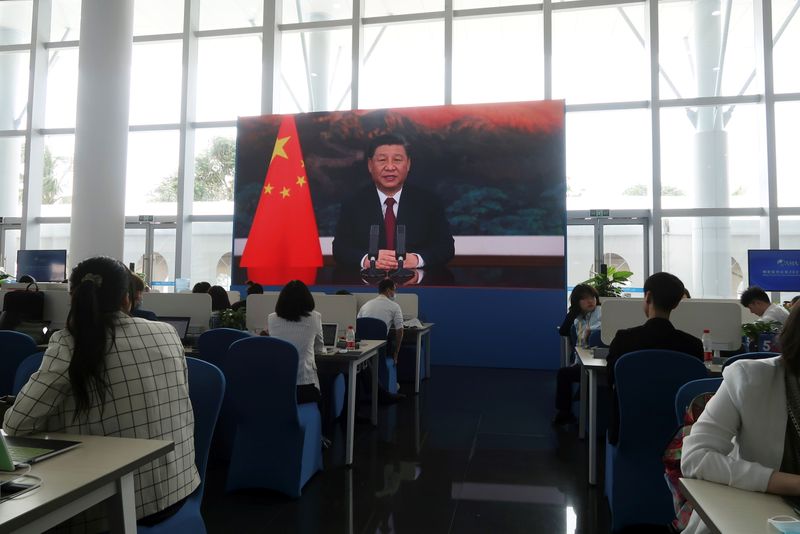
352	362
727	510
100	468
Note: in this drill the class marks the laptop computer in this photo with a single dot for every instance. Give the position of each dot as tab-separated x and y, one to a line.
17	450
181	325
329	335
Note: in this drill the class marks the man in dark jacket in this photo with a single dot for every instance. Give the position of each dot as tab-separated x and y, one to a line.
662	294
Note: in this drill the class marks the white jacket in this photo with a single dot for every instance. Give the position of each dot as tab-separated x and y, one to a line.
738	439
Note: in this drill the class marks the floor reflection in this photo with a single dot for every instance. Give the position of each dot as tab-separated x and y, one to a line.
474	452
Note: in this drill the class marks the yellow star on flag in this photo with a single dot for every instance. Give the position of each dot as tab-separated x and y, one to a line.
268	189
301	181
285	192
278	150
303	163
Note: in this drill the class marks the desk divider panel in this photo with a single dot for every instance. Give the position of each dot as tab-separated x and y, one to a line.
258	308
722	317
339	309
197	306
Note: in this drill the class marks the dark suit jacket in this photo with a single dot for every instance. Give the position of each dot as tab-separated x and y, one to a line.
654	334
421	211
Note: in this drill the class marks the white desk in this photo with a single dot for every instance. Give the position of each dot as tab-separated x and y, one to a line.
727	510
419	335
353	360
100	468
592	367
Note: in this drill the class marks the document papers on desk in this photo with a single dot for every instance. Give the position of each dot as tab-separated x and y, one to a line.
412	323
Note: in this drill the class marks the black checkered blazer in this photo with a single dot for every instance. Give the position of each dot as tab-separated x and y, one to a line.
148	398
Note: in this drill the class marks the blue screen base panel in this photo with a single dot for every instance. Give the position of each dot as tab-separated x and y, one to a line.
508	328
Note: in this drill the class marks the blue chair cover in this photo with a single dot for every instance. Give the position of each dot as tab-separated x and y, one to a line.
749	356
26	368
277	444
647	382
371	328
213	344
690	390
14	347
206	390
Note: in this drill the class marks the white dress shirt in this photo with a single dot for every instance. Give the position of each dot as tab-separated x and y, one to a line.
306	336
147	398
385	309
738	439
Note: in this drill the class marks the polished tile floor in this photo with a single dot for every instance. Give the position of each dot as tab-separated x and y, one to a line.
473	453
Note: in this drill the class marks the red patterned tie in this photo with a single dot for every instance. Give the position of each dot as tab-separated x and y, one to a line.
389	222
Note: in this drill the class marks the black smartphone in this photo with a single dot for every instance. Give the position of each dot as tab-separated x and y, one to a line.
10	489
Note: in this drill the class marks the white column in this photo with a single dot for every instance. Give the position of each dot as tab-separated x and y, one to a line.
101	130
710	235
10	106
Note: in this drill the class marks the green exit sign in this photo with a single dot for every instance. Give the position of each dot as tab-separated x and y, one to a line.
599	213
146	218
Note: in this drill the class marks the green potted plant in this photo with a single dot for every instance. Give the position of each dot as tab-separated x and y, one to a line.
609	284
753	330
234	318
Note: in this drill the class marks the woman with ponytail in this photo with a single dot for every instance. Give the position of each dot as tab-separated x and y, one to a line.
110	374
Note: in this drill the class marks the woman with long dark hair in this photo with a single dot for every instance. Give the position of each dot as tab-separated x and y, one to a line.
294	320
110	374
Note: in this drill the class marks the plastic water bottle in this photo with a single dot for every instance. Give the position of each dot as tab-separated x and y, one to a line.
350	338
708	350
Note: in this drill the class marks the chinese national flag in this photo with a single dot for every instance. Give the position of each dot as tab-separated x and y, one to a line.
283	243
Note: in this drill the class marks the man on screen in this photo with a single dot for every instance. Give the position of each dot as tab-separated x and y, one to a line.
389	202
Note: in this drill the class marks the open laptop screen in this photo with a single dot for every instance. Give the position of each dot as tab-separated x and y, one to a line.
181	324
329	334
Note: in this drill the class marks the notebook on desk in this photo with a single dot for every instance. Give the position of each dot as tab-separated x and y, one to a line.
181	325
17	450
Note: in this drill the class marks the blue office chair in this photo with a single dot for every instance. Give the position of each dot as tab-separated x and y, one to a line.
206	390
26	368
14	348
749	356
213	344
689	391
277	443
647	382
371	328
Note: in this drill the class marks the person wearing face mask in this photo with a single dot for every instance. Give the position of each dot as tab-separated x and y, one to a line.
384	307
748	436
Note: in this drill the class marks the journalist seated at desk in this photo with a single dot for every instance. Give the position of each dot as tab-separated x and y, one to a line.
584	314
219	303
136	291
294	320
757	301
662	294
748	436
107	374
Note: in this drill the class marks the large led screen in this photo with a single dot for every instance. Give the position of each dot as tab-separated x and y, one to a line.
476	196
